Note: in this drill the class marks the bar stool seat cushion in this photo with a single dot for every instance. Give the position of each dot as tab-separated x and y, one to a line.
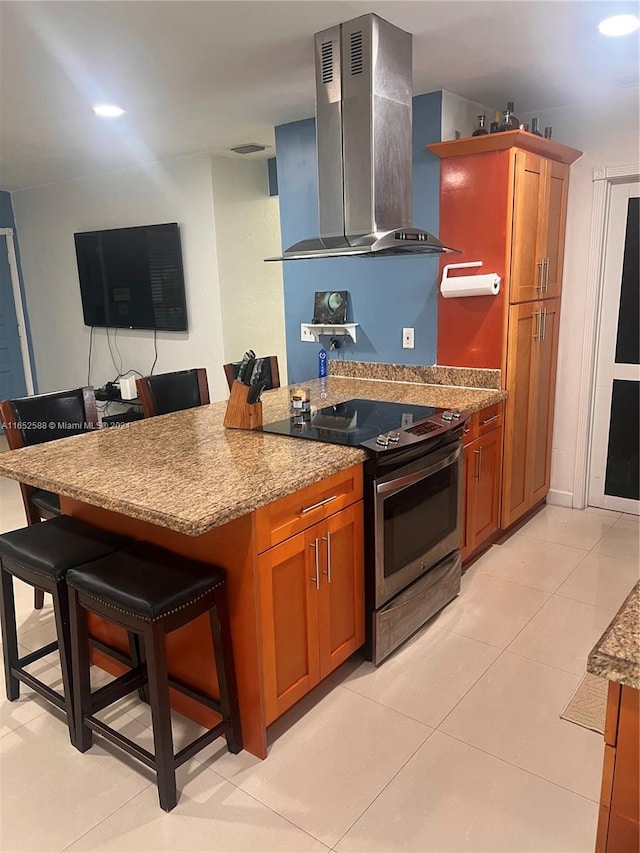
146	581
52	547
47	501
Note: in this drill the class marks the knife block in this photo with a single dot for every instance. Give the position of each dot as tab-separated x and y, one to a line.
240	414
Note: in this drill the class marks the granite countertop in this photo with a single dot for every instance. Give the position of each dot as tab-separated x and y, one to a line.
616	655
186	472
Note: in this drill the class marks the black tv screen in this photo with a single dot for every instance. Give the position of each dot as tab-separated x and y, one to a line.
131	278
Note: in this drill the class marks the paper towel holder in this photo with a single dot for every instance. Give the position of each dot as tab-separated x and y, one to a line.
492	278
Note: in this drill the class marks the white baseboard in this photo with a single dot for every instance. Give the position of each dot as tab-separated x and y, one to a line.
558	498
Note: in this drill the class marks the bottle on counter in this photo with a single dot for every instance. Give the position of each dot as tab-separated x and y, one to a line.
535	126
480	130
547	132
322	363
494	127
509	120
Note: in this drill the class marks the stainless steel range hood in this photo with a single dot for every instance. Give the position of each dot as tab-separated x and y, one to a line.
364	143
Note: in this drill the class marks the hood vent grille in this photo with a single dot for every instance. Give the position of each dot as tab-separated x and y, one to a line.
357	61
364	145
327	62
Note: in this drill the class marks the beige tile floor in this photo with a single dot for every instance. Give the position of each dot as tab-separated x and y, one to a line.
454	744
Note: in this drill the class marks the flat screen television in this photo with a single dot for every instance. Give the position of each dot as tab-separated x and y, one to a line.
132	278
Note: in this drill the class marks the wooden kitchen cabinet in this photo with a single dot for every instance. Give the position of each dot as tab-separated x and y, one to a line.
619	815
482	478
533	353
311	606
504	201
540	212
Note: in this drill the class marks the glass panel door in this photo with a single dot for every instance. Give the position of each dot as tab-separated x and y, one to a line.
614	481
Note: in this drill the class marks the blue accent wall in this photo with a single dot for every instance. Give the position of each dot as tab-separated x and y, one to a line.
7	221
385	294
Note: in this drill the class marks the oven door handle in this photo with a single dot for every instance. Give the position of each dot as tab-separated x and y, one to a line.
402	482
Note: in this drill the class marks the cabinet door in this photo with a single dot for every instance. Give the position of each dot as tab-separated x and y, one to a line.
486	465
289	621
523	340
528	244
341	596
557	188
543	383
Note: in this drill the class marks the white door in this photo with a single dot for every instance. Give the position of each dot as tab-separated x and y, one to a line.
615	435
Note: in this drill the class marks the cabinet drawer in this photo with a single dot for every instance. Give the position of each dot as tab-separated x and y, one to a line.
482	422
489	418
292	514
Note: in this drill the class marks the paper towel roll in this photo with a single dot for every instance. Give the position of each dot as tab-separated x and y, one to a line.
471	285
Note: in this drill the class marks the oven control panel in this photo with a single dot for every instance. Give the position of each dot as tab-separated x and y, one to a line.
421	431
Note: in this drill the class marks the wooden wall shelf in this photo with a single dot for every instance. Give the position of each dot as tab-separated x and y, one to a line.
507	139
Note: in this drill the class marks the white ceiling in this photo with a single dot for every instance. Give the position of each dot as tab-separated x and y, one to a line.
197	76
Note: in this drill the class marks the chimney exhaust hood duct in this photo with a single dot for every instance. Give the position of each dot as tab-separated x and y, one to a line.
364	145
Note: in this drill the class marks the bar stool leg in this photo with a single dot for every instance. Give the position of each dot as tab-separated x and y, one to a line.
222	649
81	673
137	653
9	634
153	639
60	610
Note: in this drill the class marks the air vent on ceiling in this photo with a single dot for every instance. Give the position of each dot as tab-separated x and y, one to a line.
249	148
356	53
327	61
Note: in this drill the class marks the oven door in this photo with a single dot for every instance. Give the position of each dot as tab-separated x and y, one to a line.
418	518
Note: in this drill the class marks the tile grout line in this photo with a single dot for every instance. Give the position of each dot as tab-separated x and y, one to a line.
522	769
384	788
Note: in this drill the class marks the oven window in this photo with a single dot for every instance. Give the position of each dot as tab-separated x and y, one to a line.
419	517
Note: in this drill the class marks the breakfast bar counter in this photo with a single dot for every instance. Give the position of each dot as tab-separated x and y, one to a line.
187	473
254	503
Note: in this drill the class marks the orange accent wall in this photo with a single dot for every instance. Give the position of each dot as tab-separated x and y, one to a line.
474	198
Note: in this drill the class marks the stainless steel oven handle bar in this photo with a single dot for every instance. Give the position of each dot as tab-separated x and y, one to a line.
402	482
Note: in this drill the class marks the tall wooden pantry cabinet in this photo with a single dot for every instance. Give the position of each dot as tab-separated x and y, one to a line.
503	201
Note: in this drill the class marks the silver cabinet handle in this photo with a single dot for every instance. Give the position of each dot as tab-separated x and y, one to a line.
316	546
307	509
543	317
327	539
489	420
478	453
536	334
546	274
540	285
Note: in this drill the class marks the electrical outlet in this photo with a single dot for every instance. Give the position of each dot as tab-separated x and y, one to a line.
407	339
305	333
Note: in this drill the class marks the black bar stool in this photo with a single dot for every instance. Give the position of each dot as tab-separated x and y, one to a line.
150	592
41	555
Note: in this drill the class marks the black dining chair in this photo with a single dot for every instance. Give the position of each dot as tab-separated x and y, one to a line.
36	420
173	392
270	373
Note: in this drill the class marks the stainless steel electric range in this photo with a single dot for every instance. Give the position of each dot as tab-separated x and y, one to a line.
413	507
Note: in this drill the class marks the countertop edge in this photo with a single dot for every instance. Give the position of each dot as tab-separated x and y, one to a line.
615	668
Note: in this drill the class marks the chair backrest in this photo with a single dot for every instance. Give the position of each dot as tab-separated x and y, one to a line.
173	392
270	372
48	417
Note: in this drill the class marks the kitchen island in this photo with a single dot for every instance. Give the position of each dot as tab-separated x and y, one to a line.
616	657
233	498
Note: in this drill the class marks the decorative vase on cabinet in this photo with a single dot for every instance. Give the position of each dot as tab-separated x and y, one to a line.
504	201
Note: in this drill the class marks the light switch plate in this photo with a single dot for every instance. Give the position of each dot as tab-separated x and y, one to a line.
407	339
305	333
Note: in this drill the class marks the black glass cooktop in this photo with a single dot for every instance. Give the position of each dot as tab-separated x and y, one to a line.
355	422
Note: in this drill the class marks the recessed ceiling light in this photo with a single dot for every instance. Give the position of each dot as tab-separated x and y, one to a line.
108	111
619	25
